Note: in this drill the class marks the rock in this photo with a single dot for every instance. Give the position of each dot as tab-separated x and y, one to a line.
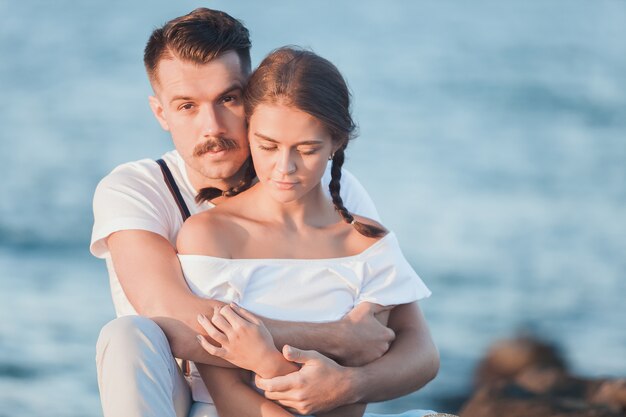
610	392
528	377
507	358
511	400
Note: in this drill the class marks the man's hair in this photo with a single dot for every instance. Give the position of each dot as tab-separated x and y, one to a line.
197	37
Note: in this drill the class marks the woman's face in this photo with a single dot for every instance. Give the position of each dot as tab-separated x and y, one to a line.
290	150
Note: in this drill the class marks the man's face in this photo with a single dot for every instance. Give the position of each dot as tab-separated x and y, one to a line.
201	105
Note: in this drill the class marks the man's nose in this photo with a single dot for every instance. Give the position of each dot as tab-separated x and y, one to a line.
212	121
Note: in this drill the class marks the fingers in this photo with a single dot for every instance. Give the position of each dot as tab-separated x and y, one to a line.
246	314
211	330
372	308
220	321
390	335
277	386
213	350
293	354
232	317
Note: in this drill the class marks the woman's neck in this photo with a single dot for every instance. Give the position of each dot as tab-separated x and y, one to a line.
311	210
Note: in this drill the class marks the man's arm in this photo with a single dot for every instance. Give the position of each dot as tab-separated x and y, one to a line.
357	339
411	362
150	274
322	384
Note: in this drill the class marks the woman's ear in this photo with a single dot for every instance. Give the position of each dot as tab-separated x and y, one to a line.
336	147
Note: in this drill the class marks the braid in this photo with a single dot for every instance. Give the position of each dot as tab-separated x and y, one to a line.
245	182
335	186
209	193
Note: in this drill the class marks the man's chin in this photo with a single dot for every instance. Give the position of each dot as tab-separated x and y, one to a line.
221	173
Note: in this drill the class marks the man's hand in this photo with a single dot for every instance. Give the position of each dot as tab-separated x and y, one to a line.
365	337
320	385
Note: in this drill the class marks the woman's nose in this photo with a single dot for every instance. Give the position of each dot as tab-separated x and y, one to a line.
286	164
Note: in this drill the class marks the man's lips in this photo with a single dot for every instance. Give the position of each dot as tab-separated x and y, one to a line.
215	151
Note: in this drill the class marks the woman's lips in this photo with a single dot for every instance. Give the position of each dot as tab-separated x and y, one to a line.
284	185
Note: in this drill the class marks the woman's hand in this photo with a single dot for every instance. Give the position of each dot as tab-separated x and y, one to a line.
244	340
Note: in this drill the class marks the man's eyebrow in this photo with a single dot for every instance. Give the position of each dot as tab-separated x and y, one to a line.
233	87
305	142
181	98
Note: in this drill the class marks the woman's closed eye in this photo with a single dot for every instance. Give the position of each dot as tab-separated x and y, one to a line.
267	147
307	151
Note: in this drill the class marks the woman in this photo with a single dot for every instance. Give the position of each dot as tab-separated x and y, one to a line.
281	249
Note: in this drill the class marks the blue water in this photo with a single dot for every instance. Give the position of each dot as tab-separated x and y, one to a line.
493	139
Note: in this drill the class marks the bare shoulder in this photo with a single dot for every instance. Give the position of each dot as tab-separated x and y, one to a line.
206	233
357	242
371	222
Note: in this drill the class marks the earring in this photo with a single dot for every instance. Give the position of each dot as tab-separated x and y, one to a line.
332	155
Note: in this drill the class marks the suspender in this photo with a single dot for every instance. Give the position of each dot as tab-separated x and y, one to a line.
171	184
184	211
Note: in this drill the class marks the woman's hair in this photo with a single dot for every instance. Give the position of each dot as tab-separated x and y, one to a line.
209	193
301	79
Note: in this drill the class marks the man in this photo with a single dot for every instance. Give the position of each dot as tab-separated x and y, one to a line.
198	65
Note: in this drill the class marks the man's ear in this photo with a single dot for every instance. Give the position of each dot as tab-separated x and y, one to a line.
157	110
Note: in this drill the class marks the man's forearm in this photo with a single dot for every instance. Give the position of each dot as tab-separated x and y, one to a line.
322	337
357	339
411	362
184	344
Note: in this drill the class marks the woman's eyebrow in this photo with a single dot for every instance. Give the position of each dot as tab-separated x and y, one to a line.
305	142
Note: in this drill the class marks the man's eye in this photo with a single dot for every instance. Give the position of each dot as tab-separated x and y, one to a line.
186	106
229	99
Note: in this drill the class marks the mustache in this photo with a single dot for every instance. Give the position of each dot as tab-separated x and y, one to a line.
216	144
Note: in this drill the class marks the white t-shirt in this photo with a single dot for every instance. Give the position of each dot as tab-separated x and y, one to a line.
134	196
305	290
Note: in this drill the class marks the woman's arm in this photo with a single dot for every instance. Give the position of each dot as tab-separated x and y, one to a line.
234	397
244	342
322	384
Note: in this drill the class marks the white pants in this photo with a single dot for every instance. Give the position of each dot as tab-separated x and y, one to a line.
139	377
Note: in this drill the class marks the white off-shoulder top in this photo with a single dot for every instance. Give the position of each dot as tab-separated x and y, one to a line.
311	290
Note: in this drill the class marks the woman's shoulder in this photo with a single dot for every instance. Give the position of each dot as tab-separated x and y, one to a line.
371	222
206	233
357	242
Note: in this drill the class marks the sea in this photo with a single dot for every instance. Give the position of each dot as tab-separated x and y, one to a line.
492	139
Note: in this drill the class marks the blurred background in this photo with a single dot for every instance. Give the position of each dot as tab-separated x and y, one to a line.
493	140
